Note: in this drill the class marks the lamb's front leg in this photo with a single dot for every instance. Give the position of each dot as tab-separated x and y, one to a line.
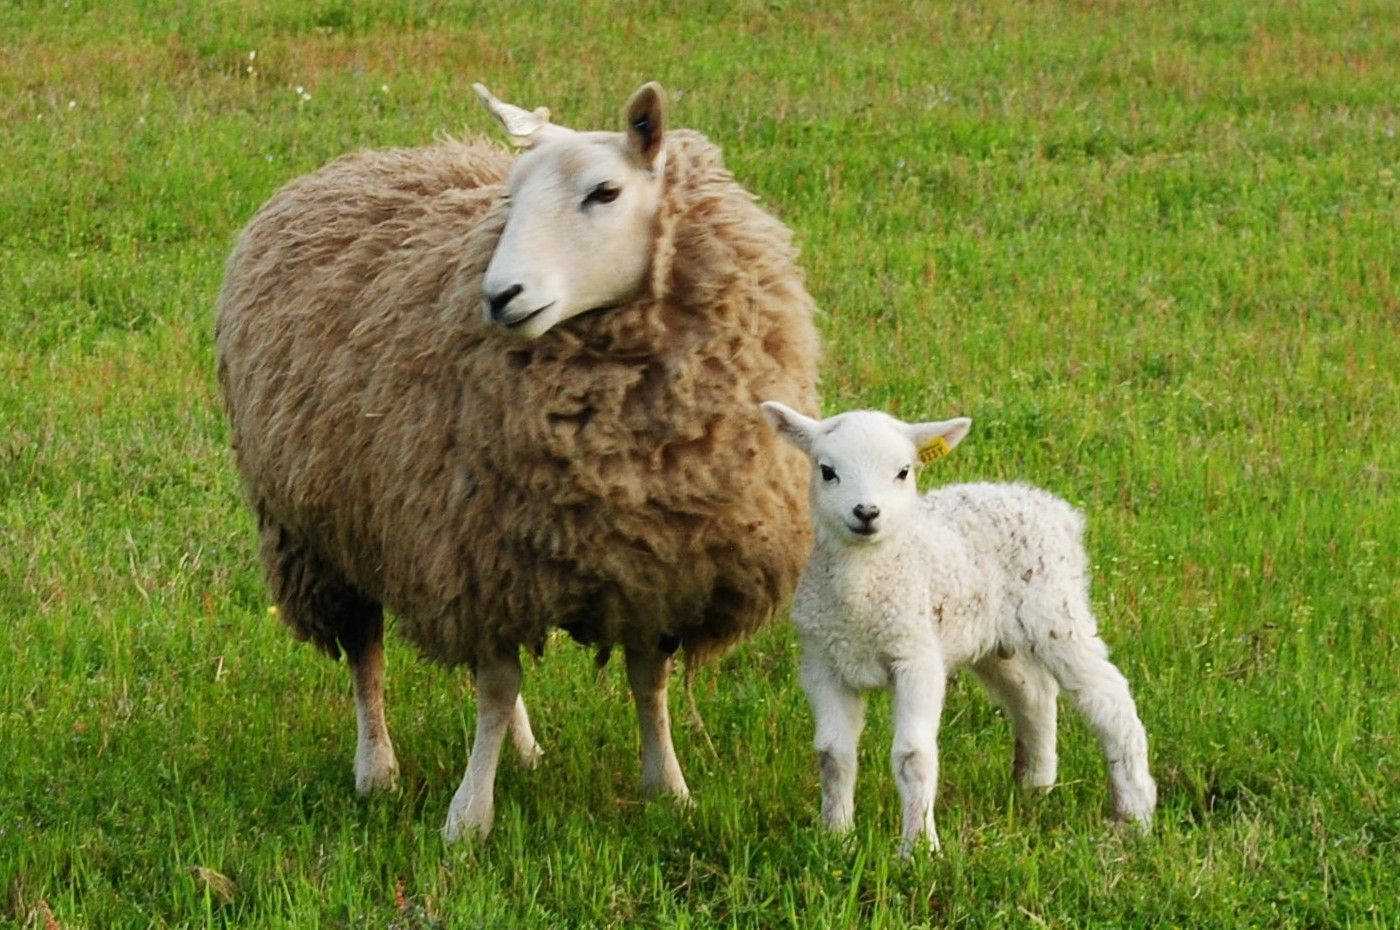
497	690
647	669
839	712
918	705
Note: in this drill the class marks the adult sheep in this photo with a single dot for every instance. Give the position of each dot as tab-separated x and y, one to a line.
499	396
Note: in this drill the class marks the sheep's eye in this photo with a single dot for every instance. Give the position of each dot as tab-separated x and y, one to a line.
828	473
903	473
602	193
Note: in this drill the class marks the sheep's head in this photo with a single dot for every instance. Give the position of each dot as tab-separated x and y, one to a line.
582	221
863	467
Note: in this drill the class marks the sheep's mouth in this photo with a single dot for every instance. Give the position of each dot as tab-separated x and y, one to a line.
521	321
865	530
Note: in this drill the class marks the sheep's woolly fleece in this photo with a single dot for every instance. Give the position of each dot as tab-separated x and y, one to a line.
611	477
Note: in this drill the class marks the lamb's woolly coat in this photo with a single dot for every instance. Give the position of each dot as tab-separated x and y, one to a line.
979	563
611	477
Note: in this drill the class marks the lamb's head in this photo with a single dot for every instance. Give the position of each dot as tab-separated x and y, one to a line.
582	222
863	467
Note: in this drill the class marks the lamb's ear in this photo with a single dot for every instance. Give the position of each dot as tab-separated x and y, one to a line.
937	439
791	425
646	125
525	128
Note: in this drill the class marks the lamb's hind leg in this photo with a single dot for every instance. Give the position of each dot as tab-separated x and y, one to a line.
497	694
1080	664
376	768
1028	694
647	669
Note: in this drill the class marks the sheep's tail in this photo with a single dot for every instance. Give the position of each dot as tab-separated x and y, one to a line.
697	722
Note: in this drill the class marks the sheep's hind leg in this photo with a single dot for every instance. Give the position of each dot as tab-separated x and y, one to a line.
1028	694
376	767
647	670
522	736
1081	665
497	694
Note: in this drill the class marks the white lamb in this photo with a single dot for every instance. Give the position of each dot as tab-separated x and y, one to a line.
901	590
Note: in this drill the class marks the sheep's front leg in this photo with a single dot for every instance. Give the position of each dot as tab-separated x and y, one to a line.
918	705
376	768
839	713
497	694
647	670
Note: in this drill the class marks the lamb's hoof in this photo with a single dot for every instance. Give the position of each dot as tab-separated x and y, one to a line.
1134	802
909	845
376	770
530	756
1037	782
473	823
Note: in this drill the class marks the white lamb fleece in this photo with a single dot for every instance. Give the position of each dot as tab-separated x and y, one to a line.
901	590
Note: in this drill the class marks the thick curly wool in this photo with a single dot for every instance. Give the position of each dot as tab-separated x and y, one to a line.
611	477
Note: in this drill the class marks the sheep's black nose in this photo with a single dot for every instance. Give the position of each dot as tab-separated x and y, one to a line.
866	514
499	299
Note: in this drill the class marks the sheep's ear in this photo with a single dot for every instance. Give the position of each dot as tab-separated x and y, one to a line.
937	439
646	125
526	128
791	425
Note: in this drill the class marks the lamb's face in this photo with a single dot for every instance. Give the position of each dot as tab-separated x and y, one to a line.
582	223
863	468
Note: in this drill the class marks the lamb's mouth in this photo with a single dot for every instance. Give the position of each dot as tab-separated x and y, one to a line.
865	530
517	323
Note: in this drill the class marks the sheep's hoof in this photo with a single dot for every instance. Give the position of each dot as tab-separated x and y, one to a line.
376	770
467	825
680	796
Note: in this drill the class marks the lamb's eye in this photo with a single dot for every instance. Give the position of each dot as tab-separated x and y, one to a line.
602	193
828	473
903	473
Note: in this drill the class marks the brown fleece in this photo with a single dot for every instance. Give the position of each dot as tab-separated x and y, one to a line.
612	477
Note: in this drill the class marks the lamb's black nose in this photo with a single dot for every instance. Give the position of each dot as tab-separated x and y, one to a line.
865	514
498	300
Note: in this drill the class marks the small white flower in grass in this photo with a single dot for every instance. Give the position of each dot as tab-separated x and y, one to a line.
383	88
300	90
72	104
252	55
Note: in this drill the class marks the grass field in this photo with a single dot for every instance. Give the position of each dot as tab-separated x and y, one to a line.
1152	249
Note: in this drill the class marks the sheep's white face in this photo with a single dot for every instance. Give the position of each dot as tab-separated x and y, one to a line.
582	221
863	467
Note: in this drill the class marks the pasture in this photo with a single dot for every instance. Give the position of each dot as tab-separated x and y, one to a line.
1153	250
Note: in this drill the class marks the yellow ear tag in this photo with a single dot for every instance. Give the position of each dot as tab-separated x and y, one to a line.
933	450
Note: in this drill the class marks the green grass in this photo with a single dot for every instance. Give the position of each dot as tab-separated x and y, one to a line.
1152	249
